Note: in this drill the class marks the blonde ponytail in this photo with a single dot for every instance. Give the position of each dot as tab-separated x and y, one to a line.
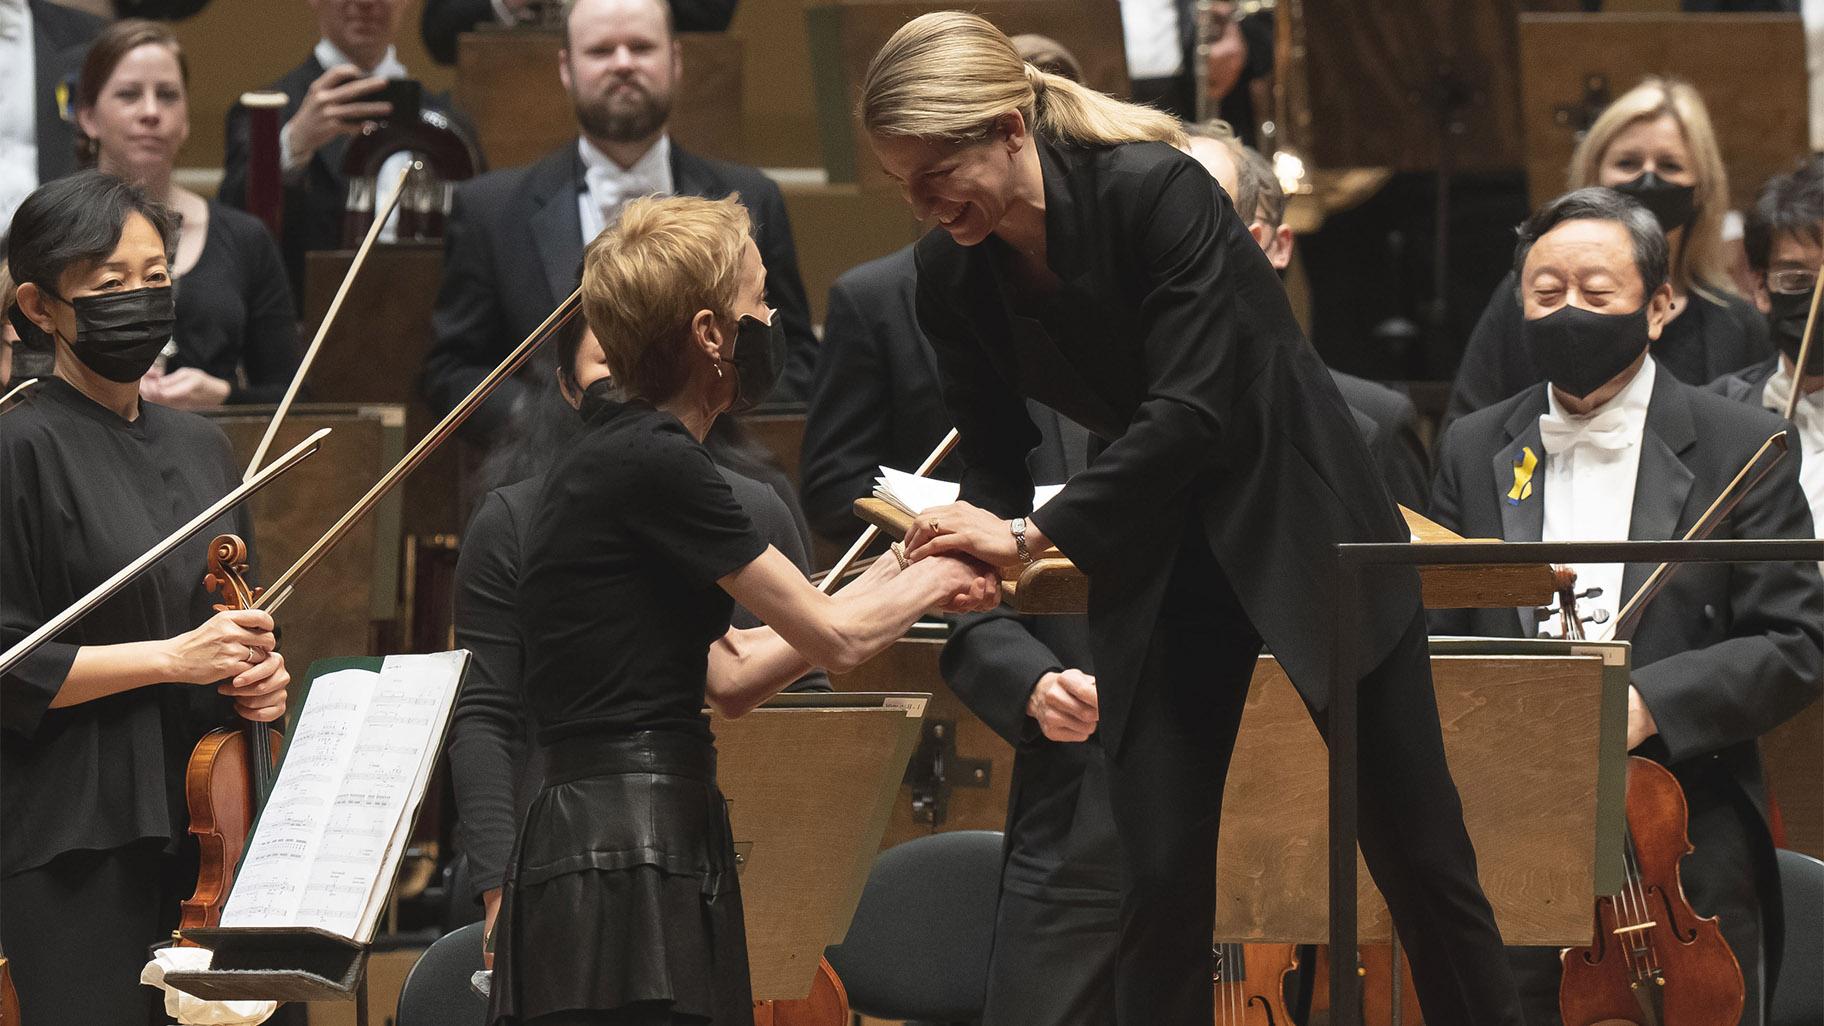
950	75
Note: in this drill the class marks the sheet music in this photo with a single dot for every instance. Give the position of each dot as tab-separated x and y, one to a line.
333	831
916	494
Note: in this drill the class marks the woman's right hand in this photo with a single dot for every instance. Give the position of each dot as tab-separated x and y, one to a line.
973	586
225	645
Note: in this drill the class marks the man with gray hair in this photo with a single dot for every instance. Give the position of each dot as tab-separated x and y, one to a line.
1609	449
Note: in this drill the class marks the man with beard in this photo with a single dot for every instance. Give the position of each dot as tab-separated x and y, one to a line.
328	98
515	237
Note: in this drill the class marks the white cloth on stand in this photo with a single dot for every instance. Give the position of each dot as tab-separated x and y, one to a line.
190	1010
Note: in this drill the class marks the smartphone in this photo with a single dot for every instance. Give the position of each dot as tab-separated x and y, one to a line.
405	94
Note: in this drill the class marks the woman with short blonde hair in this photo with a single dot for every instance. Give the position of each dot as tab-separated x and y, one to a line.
1656	145
621	904
1079	259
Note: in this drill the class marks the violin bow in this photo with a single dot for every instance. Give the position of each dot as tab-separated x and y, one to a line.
106	589
381	216
836	573
1731	497
281	587
17	390
1805	343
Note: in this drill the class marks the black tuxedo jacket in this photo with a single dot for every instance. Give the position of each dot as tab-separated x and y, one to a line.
444	20
316	196
513	250
1184	357
1748	384
1725	652
60	40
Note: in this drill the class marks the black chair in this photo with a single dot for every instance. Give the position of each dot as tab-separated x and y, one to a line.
1798	997
437	991
919	943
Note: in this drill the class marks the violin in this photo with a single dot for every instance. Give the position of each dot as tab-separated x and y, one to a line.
9	997
1389	997
826	1005
1653	961
1250	981
230	771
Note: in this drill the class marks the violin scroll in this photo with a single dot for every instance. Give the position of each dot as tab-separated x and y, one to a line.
227	574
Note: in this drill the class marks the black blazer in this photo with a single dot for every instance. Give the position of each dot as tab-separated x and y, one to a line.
1188	362
1708	340
1726	652
316	195
1390	425
512	252
1748	384
60	40
444	20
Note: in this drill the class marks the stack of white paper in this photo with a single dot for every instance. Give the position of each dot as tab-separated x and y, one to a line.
913	494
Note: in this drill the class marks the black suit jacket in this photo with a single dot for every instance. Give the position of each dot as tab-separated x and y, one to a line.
1183	356
1725	652
513	249
316	196
60	40
1748	384
444	20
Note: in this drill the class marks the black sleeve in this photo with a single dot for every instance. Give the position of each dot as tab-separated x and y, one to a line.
846	435
1400	453
992	662
703	15
235	145
488	728
444	20
1447	511
995	433
27	689
1706	699
688	516
1484	377
269	352
785	290
467	325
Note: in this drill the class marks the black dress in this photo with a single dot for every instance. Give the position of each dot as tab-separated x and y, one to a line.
621	897
92	795
234	314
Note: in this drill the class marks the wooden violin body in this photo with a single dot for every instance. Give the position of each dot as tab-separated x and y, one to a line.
1250	981
1653	961
826	1005
1375	964
229	773
9	998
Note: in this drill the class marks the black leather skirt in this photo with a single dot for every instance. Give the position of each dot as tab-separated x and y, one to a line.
622	887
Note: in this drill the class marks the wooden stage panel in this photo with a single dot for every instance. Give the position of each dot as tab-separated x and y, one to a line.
1794	755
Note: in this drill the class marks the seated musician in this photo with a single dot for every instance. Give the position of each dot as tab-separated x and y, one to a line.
622	902
515	235
445	20
100	721
328	98
1387	419
494	768
236	339
1655	144
1614	447
1784	237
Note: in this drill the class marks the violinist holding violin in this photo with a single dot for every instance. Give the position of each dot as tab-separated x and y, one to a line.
100	721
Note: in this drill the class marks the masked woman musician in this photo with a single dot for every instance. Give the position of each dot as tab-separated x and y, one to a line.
1085	262
236	338
621	903
99	722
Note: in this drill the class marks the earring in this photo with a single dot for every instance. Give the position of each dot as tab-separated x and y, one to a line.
718	366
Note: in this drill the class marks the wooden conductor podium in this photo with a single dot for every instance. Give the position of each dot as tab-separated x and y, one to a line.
810	780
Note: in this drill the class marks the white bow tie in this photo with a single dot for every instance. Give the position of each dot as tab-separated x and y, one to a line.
611	188
1607	431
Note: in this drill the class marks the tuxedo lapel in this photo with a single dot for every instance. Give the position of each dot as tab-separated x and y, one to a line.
1518	469
1663	485
691	176
557	228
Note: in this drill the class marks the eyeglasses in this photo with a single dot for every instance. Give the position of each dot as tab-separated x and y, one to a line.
1791	282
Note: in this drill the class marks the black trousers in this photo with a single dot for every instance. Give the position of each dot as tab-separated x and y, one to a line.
1053	962
78	930
1167	786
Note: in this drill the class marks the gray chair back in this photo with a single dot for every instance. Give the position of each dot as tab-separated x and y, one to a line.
437	991
1798	996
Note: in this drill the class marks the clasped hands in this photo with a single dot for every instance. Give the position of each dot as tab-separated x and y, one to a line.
970	532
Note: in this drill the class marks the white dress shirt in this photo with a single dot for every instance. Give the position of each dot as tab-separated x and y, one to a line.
18	109
1591	464
1809	416
608	186
1150	31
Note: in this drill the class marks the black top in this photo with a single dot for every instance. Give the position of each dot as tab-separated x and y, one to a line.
618	603
1706	341
234	313
84	494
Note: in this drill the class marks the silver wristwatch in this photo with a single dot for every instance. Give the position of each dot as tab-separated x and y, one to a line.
1018	526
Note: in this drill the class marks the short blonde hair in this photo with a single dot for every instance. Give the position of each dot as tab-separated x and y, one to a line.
1702	264
647	276
951	76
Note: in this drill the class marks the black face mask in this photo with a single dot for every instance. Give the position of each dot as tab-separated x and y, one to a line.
1673	206
759	357
1580	350
1786	321
119	334
34	355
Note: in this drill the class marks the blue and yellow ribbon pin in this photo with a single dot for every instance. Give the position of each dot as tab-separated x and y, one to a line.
1524	465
